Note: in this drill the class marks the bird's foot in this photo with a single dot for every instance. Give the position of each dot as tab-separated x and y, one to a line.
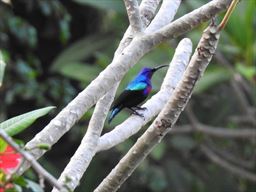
134	112
139	108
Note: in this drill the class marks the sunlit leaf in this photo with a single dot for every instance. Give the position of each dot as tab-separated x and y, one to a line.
20	180
17	124
3	145
247	71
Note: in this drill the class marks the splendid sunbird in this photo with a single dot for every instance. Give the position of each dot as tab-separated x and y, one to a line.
135	93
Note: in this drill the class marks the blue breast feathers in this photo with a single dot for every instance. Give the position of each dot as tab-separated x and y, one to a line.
134	86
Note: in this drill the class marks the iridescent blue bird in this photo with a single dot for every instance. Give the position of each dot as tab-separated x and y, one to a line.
135	93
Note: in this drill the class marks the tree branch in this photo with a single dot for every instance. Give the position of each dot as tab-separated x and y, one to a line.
147	11
164	16
226	155
189	21
226	165
154	105
116	70
87	149
133	13
168	116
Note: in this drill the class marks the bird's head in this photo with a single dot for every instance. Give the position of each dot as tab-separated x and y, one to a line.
148	72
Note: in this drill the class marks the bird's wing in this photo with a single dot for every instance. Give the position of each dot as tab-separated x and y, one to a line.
129	98
134	86
122	98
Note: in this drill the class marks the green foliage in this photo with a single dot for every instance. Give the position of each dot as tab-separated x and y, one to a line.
158	151
37	77
183	143
19	183
243	39
249	72
24	32
77	72
44	146
212	78
3	145
81	50
2	68
114	5
51	8
157	180
69	62
17	124
33	186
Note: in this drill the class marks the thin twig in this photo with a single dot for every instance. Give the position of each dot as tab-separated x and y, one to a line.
234	159
184	23
87	149
238	133
237	76
228	14
35	165
147	11
242	101
232	168
133	13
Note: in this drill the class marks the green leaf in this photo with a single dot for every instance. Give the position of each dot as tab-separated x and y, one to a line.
157	179
158	151
211	78
34	186
20	180
23	31
3	145
247	71
2	68
242	39
14	188
17	124
79	71
80	50
113	5
44	146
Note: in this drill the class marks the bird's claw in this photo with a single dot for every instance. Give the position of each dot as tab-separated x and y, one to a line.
134	112
138	114
140	108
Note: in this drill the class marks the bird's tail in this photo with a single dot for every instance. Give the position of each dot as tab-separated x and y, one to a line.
113	113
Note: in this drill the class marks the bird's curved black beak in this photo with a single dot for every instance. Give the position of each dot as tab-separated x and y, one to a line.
159	67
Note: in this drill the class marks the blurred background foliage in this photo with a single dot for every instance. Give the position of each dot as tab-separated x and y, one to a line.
55	48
